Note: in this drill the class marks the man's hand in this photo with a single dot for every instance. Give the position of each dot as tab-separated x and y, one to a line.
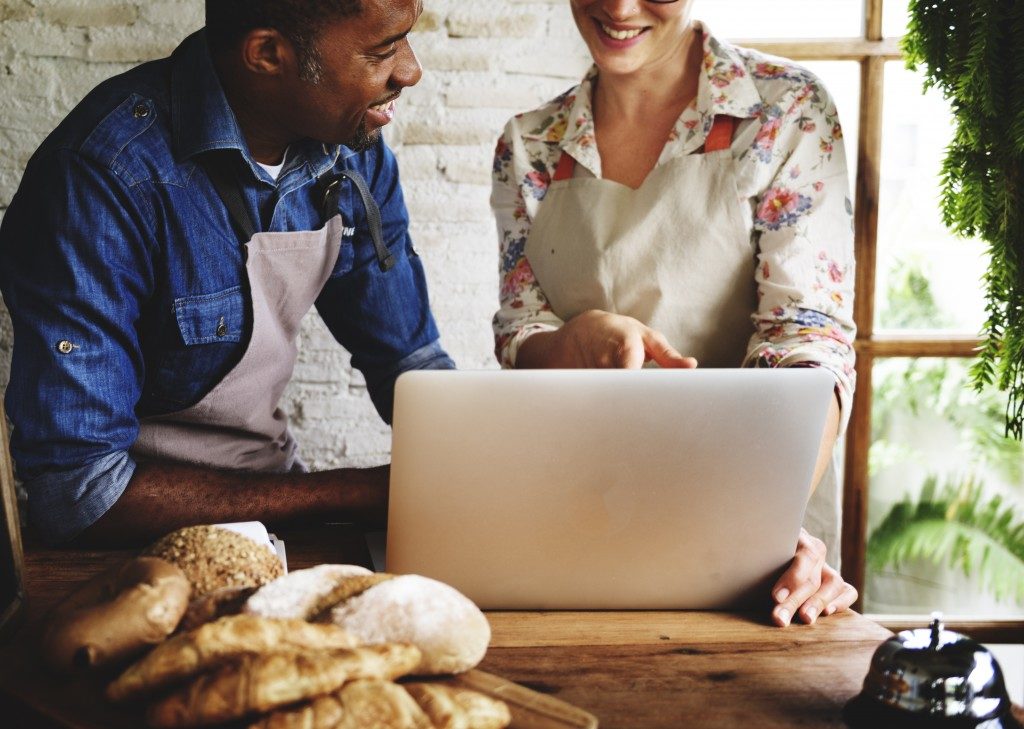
598	339
810	587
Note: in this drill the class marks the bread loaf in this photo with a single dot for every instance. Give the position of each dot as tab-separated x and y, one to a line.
302	593
219	642
116	615
256	684
450	631
214	558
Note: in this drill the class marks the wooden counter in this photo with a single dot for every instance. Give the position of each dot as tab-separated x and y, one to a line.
630	669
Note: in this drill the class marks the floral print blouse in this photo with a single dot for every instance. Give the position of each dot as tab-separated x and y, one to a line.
791	172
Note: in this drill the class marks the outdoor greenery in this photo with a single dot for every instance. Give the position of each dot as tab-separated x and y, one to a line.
958	525
972	51
956	520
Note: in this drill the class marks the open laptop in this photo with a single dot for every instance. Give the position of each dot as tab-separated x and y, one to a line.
602	489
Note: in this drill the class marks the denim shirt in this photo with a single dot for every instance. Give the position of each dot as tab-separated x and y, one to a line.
127	286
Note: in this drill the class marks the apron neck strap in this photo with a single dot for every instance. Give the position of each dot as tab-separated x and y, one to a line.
222	174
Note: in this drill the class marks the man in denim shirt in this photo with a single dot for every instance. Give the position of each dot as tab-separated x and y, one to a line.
164	244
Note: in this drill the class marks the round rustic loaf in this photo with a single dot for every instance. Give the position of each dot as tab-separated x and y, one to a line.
214	558
450	631
301	593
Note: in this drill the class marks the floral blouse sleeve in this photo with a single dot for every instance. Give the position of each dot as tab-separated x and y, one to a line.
802	220
524	309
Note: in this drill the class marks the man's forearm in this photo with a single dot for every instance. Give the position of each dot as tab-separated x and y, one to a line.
162	497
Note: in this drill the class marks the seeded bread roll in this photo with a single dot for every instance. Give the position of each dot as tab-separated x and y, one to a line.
444	624
214	558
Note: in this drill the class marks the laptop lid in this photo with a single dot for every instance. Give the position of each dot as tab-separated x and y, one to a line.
600	489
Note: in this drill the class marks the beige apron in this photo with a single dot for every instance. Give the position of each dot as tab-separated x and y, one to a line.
685	269
238	424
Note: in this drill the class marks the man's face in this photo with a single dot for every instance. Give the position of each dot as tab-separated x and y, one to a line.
364	61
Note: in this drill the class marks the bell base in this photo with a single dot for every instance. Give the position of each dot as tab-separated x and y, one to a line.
861	712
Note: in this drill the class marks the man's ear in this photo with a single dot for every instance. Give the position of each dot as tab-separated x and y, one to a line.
266	51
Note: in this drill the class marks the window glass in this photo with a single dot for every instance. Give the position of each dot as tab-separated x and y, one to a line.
927	278
782	18
946	505
842	79
894	18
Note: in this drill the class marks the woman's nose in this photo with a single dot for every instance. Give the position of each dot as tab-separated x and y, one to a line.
621	9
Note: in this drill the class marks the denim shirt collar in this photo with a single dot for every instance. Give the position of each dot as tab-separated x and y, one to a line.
202	120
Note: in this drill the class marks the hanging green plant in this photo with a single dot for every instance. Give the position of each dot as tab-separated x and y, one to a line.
972	51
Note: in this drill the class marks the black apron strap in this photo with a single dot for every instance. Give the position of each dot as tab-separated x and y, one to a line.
219	168
385	259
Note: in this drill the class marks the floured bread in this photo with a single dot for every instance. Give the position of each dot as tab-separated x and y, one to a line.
363	704
302	593
453	707
444	624
256	684
219	642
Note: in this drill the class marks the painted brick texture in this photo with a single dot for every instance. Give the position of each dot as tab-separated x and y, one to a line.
483	61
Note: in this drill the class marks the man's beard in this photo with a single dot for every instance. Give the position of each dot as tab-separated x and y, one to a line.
364	138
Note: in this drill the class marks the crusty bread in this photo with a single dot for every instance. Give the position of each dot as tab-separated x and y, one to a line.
302	593
362	704
454	707
372	704
444	624
212	606
256	684
218	642
116	615
214	558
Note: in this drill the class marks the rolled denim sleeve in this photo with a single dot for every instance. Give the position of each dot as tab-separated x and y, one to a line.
64	503
383	317
74	269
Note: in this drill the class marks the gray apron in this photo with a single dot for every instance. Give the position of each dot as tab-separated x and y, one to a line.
238	424
685	269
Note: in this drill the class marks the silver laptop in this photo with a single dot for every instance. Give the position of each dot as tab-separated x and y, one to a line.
601	489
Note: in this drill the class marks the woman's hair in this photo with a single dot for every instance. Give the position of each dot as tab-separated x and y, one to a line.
300	21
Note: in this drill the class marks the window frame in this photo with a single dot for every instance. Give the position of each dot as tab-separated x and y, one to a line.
873	51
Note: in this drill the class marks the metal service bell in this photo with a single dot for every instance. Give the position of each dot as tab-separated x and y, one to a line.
932	678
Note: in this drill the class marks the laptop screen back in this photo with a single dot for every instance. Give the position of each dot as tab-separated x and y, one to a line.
593	489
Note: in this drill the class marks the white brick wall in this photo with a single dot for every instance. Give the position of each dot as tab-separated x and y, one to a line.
483	61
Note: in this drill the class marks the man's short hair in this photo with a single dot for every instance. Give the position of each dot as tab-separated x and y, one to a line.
300	21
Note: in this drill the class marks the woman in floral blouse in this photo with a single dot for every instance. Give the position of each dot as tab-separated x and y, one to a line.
683	189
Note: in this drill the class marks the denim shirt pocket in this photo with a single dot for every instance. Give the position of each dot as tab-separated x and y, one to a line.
210	318
204	346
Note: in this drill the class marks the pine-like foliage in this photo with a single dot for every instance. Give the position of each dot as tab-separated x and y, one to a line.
973	50
955	525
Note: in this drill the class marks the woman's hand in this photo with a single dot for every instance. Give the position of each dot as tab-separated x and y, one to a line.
598	339
810	587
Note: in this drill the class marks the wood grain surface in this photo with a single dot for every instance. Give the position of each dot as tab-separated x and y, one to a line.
640	669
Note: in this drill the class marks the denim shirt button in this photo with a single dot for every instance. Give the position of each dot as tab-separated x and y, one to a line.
64	346
222	328
140	111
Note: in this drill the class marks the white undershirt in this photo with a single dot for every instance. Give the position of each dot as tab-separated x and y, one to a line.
275	170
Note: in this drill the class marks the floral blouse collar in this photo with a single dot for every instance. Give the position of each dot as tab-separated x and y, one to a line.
724	88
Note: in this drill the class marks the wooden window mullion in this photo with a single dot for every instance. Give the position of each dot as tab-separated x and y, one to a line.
858	436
